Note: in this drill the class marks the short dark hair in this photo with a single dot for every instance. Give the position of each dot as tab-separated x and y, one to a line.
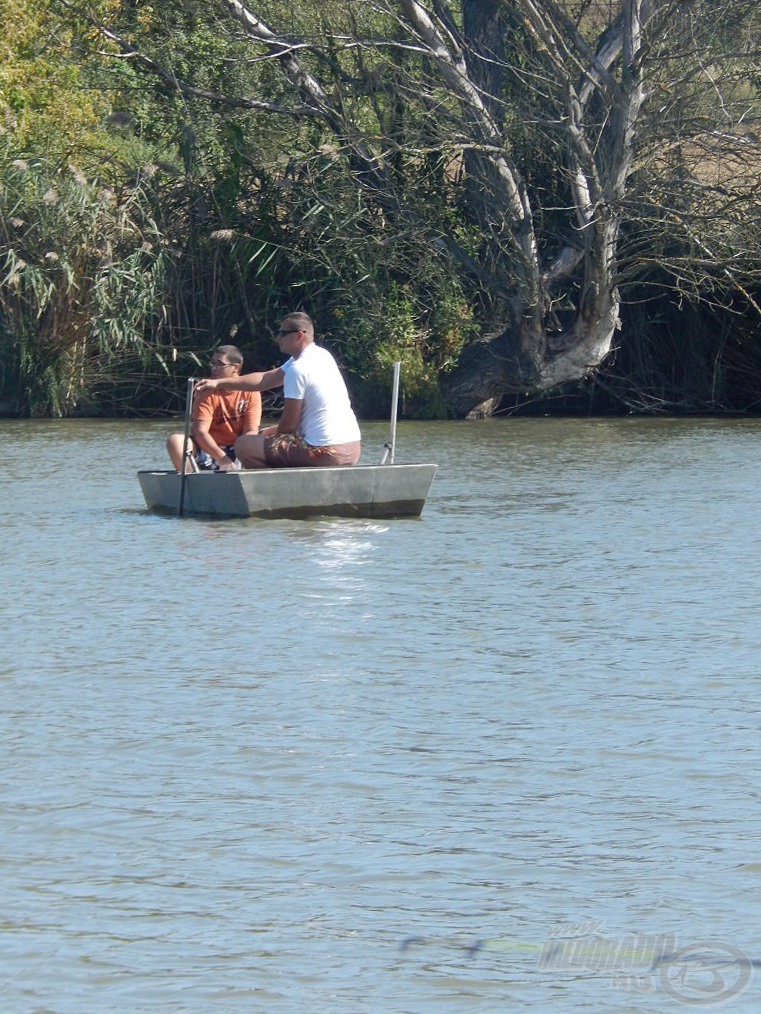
232	353
300	320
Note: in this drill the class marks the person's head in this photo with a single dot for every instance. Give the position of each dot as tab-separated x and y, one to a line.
226	361
296	332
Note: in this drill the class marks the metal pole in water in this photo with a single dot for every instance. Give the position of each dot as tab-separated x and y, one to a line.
186	437
388	453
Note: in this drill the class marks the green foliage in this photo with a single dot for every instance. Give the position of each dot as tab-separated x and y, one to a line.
195	222
393	324
248	216
379	291
83	276
45	103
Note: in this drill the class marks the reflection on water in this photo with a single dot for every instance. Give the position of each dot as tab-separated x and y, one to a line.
349	765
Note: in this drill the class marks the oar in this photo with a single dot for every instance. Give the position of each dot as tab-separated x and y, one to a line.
184	470
388	447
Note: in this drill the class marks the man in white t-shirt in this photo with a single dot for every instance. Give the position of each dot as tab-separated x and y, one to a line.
318	426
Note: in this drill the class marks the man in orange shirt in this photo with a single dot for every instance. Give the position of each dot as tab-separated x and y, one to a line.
219	417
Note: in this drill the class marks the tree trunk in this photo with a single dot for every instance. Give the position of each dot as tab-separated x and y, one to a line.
530	353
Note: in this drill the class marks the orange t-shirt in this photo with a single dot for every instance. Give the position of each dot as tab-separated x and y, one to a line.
229	414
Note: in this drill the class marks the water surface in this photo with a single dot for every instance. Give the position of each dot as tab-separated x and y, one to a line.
348	765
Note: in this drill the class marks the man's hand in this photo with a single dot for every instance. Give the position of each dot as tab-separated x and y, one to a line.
205	385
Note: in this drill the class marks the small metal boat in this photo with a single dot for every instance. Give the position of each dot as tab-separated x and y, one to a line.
365	491
387	490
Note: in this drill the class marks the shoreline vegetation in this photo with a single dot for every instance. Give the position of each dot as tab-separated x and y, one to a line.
538	208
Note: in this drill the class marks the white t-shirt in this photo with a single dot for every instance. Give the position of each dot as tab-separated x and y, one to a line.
326	413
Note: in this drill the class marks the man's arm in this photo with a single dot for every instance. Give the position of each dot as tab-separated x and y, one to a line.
248	382
290	417
200	433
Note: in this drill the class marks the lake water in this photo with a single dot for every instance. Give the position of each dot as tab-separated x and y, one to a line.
502	757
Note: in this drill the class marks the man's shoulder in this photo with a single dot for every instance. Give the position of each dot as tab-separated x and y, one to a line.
212	396
316	354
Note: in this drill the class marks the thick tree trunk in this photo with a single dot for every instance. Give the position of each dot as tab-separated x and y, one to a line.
527	355
506	363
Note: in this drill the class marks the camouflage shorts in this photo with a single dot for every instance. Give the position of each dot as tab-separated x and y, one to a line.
290	450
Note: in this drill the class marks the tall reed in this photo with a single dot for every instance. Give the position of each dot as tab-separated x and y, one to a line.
83	272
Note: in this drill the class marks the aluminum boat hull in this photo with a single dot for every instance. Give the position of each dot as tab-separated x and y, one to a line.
365	491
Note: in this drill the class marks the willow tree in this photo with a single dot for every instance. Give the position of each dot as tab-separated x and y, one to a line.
546	117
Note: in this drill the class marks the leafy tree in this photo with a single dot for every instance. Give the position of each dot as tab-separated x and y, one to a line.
534	156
